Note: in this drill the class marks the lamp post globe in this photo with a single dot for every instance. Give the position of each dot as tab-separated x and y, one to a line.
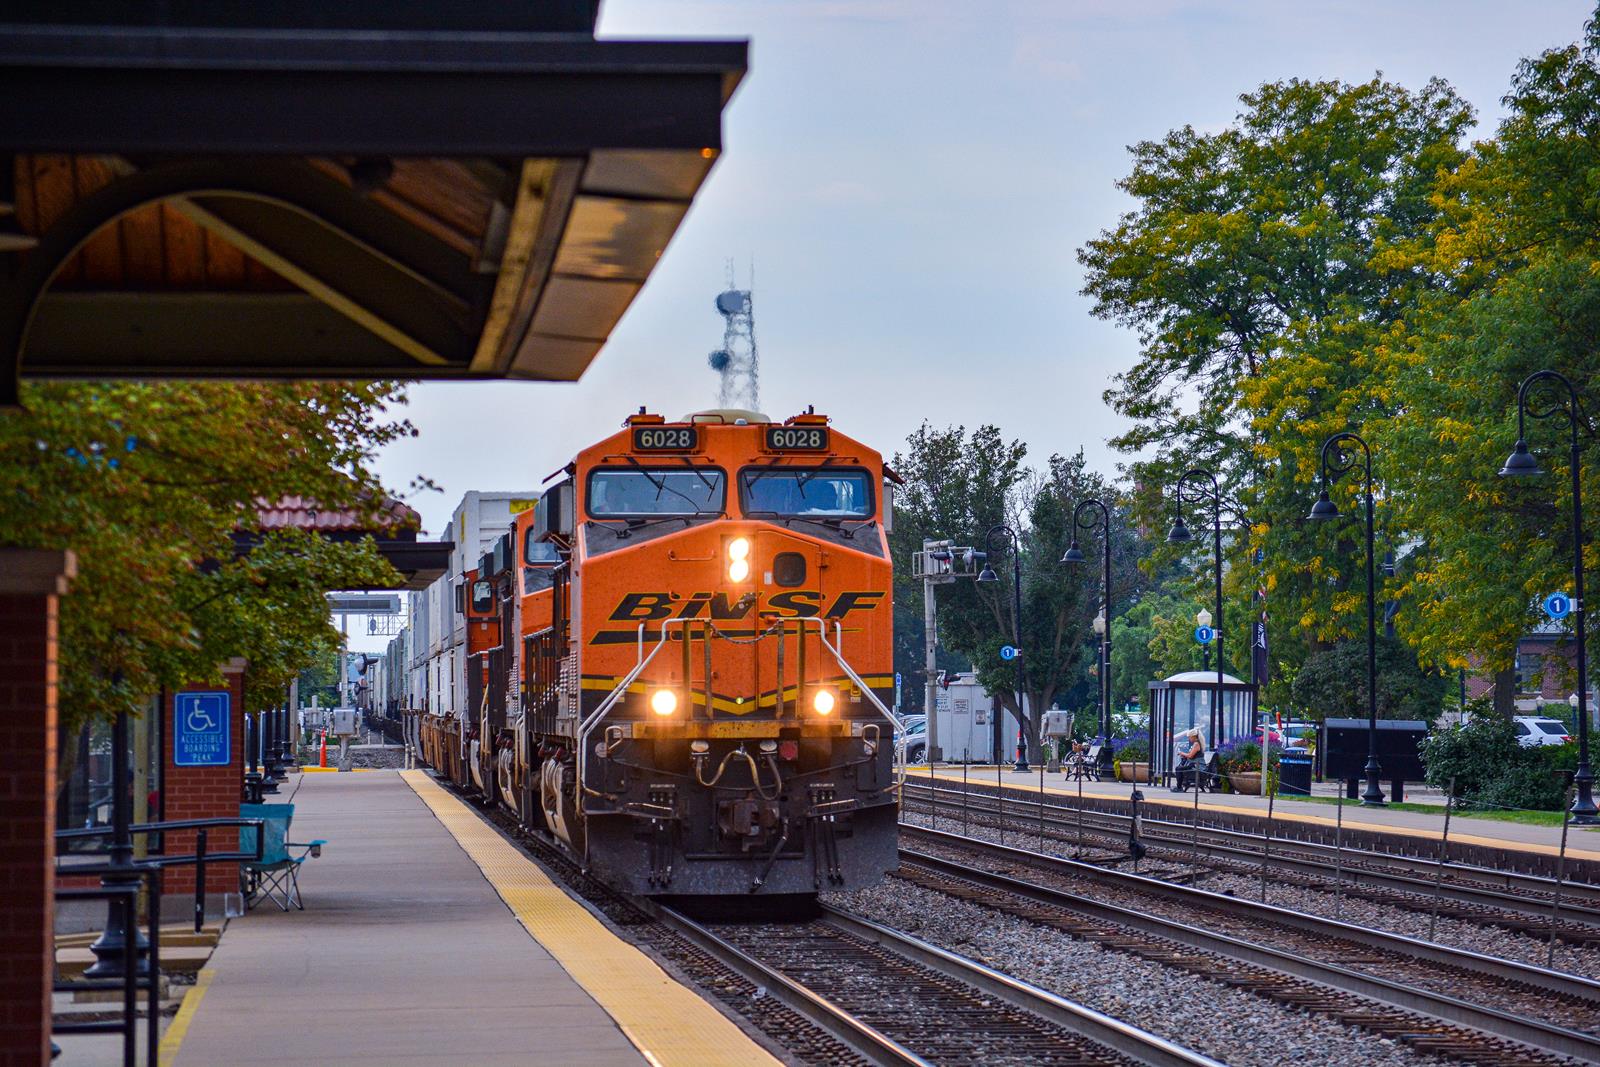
1521	464
1202	617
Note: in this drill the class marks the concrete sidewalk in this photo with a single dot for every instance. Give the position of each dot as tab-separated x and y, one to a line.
404	955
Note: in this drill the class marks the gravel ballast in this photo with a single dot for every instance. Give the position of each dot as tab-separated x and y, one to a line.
1227	1024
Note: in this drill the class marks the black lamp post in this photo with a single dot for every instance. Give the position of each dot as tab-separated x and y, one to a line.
1337	460
996	535
1179	534
1522	464
1074	555
111	947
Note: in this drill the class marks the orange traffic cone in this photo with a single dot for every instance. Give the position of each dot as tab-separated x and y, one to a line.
322	757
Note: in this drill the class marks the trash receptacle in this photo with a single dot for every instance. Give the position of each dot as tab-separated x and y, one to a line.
1294	775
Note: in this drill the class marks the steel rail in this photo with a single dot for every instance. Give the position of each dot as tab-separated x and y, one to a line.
1575	895
837	1023
1141	1046
1531	1032
1561	982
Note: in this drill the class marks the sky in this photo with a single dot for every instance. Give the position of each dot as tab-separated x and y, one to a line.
911	180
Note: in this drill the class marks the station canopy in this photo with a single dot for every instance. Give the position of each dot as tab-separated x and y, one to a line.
367	188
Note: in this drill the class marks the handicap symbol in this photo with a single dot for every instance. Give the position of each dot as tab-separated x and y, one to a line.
200	719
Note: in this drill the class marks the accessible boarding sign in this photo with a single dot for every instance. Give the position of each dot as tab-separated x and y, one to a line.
201	736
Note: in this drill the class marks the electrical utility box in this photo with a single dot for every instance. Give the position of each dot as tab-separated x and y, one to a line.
1058	724
344	722
967	714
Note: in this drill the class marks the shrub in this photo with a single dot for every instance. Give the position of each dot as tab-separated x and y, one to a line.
1474	754
1242	755
1526	785
1132	749
1559	757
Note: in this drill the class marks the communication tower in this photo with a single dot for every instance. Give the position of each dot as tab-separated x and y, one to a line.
737	361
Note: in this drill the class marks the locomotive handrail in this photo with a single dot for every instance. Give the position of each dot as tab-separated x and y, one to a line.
894	720
616	694
628	679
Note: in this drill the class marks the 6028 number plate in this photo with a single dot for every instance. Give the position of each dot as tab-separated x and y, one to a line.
797	438
665	438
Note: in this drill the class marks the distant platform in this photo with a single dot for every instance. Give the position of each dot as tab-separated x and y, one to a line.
427	938
1583	843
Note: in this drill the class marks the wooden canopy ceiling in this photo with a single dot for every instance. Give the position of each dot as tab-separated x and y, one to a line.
274	189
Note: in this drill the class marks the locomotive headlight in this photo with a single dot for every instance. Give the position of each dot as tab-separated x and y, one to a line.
738	559
822	701
663	702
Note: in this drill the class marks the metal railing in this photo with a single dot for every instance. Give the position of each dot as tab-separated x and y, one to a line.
121	886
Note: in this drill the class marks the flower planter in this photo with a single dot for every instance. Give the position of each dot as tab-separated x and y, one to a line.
1246	782
1133	772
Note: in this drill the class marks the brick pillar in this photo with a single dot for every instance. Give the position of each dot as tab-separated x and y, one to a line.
203	793
30	583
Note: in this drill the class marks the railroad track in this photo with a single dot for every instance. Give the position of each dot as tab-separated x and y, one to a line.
1509	900
1029	1025
1302	960
893	999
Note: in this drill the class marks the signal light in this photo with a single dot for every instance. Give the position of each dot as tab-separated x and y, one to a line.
739	548
822	702
738	570
664	702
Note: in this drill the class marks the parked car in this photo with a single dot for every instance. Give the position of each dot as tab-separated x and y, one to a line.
914	741
1534	731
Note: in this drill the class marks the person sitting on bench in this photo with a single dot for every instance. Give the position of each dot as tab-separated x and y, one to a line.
1191	759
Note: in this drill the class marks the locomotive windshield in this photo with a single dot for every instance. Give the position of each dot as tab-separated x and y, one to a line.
626	492
816	493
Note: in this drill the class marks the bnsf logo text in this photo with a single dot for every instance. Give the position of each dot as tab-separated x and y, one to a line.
794	604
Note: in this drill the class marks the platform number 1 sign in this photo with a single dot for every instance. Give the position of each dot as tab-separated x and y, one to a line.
1558	606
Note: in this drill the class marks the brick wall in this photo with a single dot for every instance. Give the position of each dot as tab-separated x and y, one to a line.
204	793
30	582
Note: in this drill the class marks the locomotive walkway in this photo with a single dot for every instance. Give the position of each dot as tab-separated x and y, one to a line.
428	938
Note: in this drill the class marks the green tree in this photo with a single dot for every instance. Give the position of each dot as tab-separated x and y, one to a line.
1516	239
1256	271
957	487
150	484
1153	639
1332	683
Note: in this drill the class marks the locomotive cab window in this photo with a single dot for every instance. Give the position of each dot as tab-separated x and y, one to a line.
541	558
643	492
482	598
815	492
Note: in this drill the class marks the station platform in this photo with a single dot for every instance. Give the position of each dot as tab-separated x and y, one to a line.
429	938
1582	842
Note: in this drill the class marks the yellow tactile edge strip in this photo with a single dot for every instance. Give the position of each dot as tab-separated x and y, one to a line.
667	1022
172	1040
1324	820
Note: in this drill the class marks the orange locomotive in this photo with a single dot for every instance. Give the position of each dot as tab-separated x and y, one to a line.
697	659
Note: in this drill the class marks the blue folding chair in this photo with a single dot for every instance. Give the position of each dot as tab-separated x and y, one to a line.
276	874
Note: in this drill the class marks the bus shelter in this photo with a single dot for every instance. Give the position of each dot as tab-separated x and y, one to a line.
1189	699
